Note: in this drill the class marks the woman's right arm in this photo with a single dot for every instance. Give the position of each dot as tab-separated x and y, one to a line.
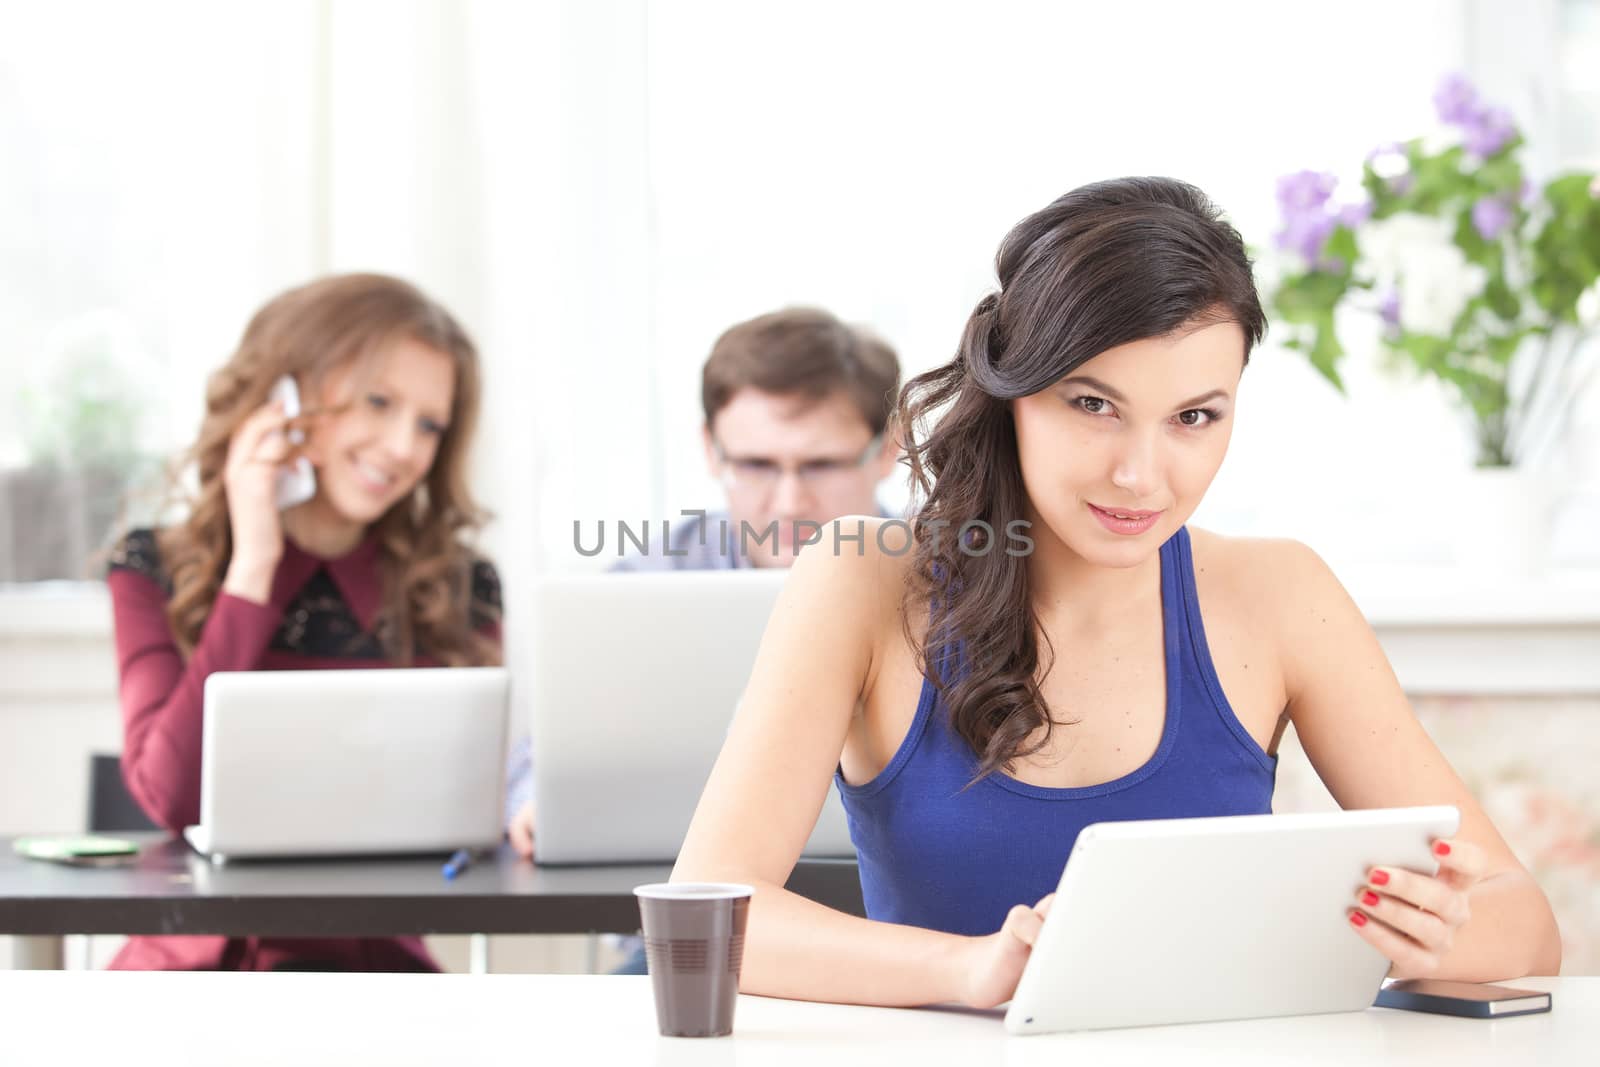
768	786
161	695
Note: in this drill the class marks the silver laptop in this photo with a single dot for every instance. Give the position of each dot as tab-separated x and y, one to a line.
634	682
317	763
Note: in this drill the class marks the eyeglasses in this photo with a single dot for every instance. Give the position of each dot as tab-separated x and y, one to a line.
758	474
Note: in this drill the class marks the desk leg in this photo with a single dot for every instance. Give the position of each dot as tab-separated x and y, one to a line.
37	954
478	954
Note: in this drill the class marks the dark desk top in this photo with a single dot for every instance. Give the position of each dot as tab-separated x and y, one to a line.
170	890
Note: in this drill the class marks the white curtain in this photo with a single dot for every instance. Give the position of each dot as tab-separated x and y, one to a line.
598	187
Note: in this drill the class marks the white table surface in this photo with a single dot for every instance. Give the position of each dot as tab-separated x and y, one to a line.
219	1018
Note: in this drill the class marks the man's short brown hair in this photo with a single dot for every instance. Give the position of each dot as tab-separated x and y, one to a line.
803	352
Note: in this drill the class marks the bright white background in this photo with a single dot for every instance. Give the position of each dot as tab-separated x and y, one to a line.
598	187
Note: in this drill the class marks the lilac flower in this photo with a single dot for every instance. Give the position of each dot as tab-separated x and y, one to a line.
1389	312
1304	191
1305	234
1307	218
1457	101
1489	132
1353	215
1491	216
1485	130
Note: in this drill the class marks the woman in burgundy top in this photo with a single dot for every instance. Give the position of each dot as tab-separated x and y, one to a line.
371	571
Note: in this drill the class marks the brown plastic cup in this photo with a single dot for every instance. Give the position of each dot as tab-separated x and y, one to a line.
694	946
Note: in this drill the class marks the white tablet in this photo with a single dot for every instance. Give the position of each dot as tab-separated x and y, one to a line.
1240	917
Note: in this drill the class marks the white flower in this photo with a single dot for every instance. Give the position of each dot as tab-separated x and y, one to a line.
1440	139
1589	306
1389	161
1415	255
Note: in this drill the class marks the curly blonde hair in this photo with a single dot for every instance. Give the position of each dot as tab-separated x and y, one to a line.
426	568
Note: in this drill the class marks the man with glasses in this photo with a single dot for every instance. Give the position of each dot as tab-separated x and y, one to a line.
799	431
798	411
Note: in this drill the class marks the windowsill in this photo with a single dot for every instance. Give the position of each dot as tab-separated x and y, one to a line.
79	610
1447	596
1397	597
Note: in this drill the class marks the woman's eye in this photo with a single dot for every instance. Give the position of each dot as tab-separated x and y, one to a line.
1094	405
1196	417
377	401
431	427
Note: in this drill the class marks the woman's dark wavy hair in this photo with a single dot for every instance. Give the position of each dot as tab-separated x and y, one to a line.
1106	264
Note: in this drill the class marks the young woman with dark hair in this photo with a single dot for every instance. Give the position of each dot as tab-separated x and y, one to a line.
371	571
980	702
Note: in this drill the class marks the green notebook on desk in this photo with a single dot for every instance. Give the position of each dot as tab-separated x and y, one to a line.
78	850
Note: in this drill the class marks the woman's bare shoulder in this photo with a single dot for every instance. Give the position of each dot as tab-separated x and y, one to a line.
1272	579
863	562
866	554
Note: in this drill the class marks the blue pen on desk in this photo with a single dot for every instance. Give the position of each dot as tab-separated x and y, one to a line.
456	864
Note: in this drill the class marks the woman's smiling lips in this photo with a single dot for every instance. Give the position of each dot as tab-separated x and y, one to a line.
1128	522
373	479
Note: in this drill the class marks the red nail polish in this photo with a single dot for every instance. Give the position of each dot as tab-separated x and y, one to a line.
1358	919
1369	898
1379	878
1441	848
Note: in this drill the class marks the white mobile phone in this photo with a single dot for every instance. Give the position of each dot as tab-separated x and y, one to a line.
299	483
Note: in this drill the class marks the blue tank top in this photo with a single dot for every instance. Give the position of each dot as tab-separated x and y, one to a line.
936	854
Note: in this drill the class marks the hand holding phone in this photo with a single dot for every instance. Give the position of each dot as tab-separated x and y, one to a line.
299	483
261	476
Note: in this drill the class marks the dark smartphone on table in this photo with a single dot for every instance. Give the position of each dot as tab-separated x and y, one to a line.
1469	999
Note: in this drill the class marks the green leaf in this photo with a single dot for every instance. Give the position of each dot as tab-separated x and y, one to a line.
1325	352
1501	173
1565	253
1499	298
1503	348
1307	298
1341	245
1569	194
1438	180
1470	241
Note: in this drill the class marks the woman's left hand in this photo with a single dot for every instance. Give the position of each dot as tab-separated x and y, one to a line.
1412	918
